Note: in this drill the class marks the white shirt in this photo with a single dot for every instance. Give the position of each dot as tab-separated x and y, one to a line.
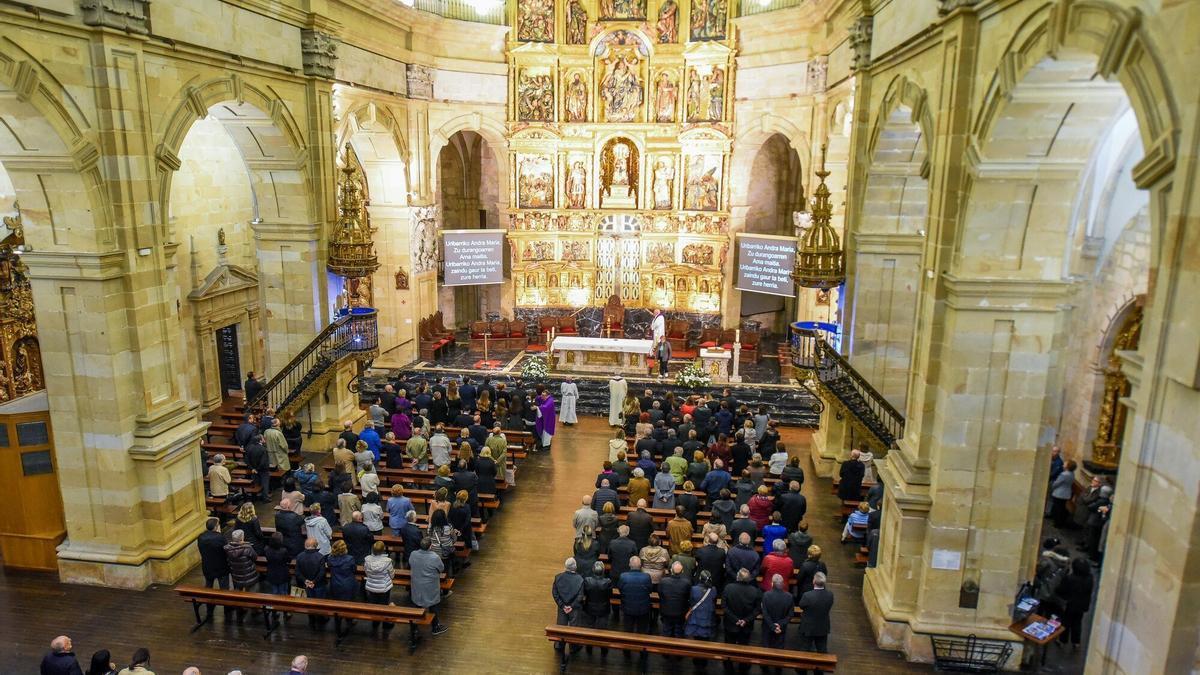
658	327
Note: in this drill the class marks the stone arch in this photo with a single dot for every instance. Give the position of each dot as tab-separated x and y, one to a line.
492	131
266	133
53	160
379	142
903	98
750	142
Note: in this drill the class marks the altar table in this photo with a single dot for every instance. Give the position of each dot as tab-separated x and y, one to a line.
600	355
716	363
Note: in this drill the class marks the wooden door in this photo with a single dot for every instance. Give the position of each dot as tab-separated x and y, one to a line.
31	524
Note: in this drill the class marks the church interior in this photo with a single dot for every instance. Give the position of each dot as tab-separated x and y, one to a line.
935	249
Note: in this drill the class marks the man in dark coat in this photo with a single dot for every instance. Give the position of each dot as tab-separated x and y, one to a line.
259	460
674	594
742	600
252	388
711	558
635	586
246	431
742	556
467	392
213	562
478	432
777	613
349	436
291	525
743	524
411	534
358	538
815	606
641	525
567	592
60	660
605	495
851	478
792	507
620	550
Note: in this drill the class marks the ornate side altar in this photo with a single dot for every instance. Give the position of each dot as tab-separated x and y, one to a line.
716	363
600	355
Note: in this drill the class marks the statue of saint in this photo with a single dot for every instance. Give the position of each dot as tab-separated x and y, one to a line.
668	22
693	98
621	90
577	186
665	96
664	179
620	165
577	19
716	96
576	103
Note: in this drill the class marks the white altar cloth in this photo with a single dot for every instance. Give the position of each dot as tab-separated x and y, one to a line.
598	344
600	355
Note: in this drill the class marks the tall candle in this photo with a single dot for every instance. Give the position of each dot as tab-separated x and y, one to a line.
737	335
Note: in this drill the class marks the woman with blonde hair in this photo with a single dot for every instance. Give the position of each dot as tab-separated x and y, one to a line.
587	550
454	404
631	409
441	500
616	444
342	583
247	521
804	580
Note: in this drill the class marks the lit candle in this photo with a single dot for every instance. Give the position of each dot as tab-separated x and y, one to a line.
737	335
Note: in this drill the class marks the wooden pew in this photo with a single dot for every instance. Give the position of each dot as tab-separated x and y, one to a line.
269	604
682	647
401	577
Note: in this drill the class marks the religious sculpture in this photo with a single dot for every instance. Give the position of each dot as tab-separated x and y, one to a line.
706	95
535	97
577	19
535	182
660	252
622	9
576	99
709	19
664	182
576	251
702	190
535	21
577	186
665	96
668	22
425	240
621	89
619	173
698	254
716	95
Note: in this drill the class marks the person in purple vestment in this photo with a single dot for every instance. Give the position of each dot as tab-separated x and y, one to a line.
546	418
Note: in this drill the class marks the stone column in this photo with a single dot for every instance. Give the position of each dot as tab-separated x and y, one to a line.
978	519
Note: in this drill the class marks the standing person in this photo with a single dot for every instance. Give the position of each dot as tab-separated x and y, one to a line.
701	617
635	586
851	478
140	663
252	388
1075	595
544	427
277	446
617	390
60	660
213	562
815	606
597	601
1060	493
674	596
662	355
777	613
426	569
570	395
658	326
241	557
567	592
342	582
219	478
742	601
278	558
258	459
380	575
102	664
318	529
664	488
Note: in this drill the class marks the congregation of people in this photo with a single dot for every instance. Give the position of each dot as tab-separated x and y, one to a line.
735	533
62	660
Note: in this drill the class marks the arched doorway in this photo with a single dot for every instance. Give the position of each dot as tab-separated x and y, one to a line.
775	191
468	196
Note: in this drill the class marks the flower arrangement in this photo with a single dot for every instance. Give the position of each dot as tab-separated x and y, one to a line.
535	368
693	376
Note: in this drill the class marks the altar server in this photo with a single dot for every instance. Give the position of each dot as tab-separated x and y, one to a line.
570	394
617	388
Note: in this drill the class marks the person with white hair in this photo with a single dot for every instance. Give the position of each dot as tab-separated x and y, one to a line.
60	660
777	612
639	486
585	516
567	592
219	477
815	606
299	665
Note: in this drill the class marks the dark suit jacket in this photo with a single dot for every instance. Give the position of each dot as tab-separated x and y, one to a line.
358	541
816	604
212	554
792	507
641	526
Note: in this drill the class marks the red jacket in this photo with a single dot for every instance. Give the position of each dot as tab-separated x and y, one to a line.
776	563
760	510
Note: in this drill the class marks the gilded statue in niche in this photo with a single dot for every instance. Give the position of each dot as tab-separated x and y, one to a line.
619	173
702	183
535	21
622	9
575	100
577	185
577	18
621	88
709	18
706	95
27	367
535	96
664	182
668	22
660	252
535	182
666	94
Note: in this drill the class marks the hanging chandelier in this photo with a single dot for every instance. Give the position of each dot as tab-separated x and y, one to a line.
820	260
351	251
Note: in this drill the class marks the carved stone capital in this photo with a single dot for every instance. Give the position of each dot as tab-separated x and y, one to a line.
420	81
319	53
947	6
131	16
860	42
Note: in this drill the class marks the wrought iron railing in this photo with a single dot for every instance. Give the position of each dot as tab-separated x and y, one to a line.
353	336
811	352
476	11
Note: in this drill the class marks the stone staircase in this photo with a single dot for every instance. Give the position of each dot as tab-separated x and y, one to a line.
810	352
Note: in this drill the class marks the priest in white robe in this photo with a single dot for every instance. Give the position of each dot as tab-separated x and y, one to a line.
617	388
568	395
658	326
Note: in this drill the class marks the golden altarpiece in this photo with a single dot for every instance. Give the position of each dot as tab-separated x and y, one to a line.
619	140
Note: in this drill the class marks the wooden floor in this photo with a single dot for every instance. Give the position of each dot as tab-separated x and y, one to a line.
497	614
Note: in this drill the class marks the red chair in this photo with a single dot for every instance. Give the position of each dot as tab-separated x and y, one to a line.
518	337
709	337
750	347
726	339
478	328
677	334
566	326
545	324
